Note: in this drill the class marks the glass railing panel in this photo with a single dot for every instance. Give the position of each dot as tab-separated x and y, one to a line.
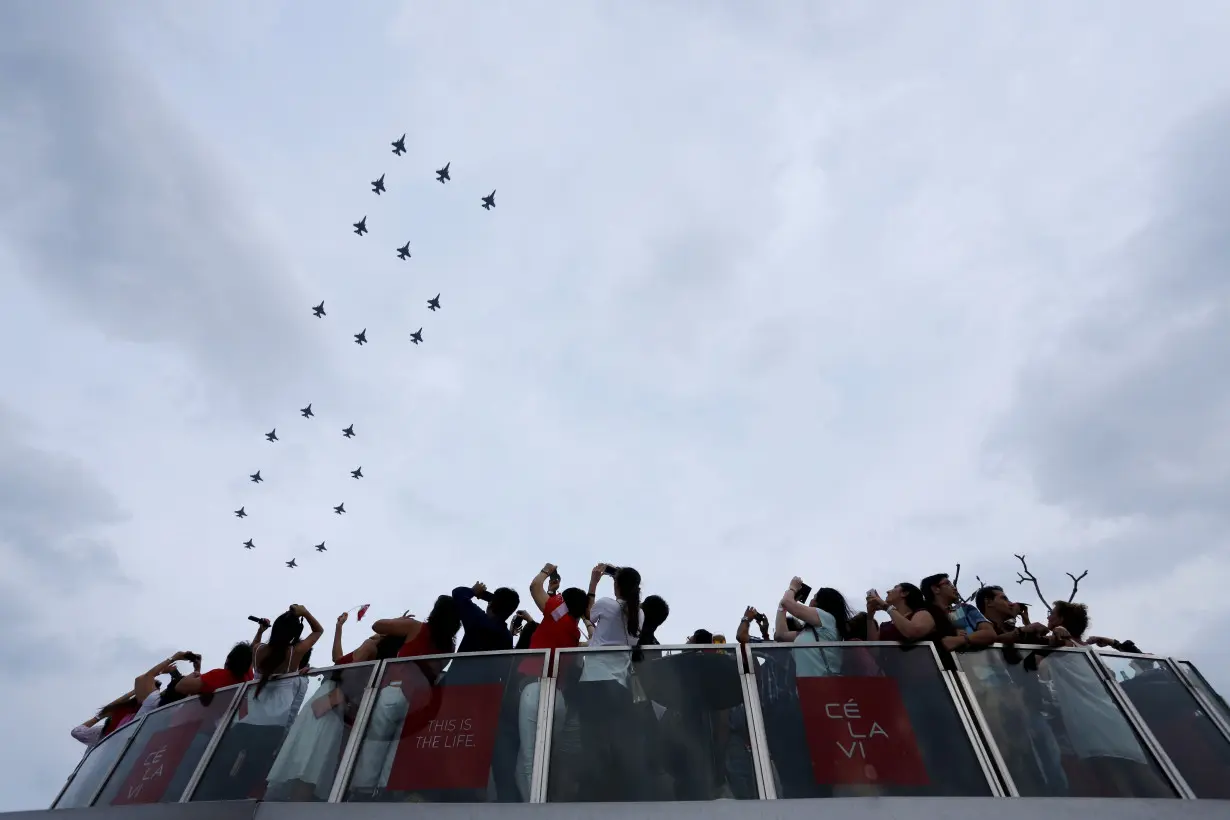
451	729
863	719
94	768
162	757
671	726
1176	719
1210	694
286	743
1057	727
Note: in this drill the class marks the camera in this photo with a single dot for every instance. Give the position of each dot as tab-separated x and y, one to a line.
554	577
611	570
192	657
517	621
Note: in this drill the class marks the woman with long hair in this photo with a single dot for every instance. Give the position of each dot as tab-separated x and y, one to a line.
614	764
250	746
391	709
826	619
308	760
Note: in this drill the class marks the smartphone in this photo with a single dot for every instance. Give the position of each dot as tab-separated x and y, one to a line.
873	593
554	577
611	570
803	594
516	622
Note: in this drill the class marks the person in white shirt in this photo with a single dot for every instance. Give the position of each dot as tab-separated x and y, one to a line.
613	769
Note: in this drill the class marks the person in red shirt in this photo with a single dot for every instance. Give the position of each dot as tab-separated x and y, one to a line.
559	629
236	669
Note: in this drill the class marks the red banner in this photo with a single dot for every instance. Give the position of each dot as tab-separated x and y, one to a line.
452	749
858	732
153	769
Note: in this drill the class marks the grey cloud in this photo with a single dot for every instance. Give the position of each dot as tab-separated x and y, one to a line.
110	203
1130	418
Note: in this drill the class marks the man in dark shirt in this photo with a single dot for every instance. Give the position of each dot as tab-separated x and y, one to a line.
486	630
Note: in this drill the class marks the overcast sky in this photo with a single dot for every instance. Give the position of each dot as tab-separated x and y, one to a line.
849	291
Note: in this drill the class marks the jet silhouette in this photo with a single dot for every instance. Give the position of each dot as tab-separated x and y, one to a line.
378	185
307	412
340	508
256	477
442	174
239	513
291	563
320	547
417	336
360	227
399	145
489	201
360	338
434	304
319	310
356	473
348	432
404	251
248	545
272	435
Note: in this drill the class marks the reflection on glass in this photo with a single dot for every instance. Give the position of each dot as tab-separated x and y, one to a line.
1197	680
882	722
1057	727
1189	738
166	750
94	768
286	744
457	736
669	727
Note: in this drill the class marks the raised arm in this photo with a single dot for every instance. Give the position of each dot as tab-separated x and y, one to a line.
337	637
803	612
538	587
782	631
307	643
144	685
402	627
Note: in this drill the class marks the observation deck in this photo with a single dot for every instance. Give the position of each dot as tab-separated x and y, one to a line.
883	723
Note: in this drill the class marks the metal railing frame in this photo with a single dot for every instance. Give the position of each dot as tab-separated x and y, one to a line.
958	686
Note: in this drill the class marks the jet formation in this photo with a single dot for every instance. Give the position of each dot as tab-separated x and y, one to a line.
443	175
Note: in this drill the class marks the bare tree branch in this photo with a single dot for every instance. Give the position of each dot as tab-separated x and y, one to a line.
981	583
1076	582
956	577
1022	577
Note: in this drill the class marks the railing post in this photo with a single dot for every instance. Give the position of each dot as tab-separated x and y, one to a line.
544	733
224	723
350	753
102	784
762	761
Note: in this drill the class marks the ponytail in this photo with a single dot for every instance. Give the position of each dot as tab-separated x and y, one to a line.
628	586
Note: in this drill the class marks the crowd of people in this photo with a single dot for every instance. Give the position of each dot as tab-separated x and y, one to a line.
270	750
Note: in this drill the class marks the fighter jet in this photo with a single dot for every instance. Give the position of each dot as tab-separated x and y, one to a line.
320	547
360	338
239	513
340	508
291	563
272	435
489	201
256	477
378	185
356	473
399	145
306	412
417	336
319	310
348	432
248	545
360	227
434	304
442	175
404	251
